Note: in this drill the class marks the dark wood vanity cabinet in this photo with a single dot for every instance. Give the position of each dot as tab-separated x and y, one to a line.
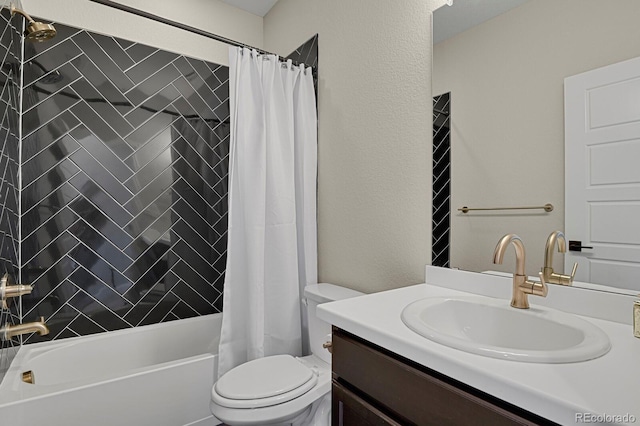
372	386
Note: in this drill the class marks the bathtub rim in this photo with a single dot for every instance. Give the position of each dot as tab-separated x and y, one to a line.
12	389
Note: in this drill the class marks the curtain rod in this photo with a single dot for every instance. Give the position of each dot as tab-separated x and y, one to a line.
182	26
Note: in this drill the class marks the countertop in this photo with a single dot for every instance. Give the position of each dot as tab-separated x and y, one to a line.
606	386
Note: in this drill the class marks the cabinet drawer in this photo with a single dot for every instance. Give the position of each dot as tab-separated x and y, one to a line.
348	409
414	394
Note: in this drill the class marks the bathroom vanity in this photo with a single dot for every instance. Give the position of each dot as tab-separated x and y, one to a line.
385	373
372	385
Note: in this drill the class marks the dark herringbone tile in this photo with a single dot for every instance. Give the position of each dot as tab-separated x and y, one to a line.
441	181
307	54
125	194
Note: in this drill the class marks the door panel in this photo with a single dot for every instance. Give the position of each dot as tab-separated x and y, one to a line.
612	104
615	163
613	222
614	272
602	172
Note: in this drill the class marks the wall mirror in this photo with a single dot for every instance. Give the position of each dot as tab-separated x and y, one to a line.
506	79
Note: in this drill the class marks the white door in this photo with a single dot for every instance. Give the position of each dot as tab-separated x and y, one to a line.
602	172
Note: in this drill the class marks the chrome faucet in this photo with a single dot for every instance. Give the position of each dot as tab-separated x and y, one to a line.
522	287
9	331
556	237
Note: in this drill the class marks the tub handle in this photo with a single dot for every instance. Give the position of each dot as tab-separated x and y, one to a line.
8	290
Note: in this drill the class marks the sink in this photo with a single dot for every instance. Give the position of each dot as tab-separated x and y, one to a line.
492	328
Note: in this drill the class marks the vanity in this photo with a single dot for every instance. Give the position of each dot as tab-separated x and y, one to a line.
395	393
386	373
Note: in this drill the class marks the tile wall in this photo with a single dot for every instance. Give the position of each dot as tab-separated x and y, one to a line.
10	53
124	198
441	223
124	160
307	54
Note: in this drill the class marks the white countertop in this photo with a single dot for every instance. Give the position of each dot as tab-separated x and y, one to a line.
609	385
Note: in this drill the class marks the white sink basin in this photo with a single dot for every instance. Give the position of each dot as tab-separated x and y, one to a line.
490	327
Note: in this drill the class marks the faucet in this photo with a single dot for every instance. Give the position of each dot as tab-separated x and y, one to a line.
9	331
547	270
8	289
522	287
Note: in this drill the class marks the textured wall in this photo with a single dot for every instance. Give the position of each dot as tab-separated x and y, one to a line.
509	110
374	148
124	201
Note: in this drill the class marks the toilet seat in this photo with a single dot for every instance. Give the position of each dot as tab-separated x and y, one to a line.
264	382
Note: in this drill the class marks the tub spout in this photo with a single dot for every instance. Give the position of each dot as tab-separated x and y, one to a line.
9	331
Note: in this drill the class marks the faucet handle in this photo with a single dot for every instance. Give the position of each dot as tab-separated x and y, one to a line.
541	289
536	288
563	279
573	272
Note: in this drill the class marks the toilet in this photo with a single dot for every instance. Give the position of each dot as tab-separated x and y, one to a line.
283	389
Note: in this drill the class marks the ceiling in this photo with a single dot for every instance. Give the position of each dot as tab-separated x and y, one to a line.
257	7
464	14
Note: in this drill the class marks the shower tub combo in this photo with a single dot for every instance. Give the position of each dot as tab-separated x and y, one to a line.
153	375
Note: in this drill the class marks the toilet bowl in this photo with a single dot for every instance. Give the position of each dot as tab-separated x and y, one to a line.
283	389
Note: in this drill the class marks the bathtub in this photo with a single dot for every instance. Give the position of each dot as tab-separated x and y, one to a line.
153	375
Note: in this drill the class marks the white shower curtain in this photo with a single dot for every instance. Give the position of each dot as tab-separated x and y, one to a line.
272	250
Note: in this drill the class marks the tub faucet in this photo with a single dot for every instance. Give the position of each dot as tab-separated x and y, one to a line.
522	287
9	331
547	270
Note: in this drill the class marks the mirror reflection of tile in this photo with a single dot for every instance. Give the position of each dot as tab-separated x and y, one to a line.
441	224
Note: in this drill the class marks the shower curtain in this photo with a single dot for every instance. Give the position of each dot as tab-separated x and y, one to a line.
272	249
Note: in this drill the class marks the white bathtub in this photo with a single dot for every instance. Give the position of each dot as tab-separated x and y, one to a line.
153	375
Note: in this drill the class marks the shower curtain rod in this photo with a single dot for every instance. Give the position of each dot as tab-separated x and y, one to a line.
182	26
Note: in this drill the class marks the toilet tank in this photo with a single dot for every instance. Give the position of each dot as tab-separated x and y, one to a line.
319	330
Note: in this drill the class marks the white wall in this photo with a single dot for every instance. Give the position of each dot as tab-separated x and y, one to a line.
374	188
209	15
506	78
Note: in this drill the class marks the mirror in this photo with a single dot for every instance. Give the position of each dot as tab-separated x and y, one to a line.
506	79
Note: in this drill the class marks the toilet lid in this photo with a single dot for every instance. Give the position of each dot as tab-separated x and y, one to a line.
264	378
